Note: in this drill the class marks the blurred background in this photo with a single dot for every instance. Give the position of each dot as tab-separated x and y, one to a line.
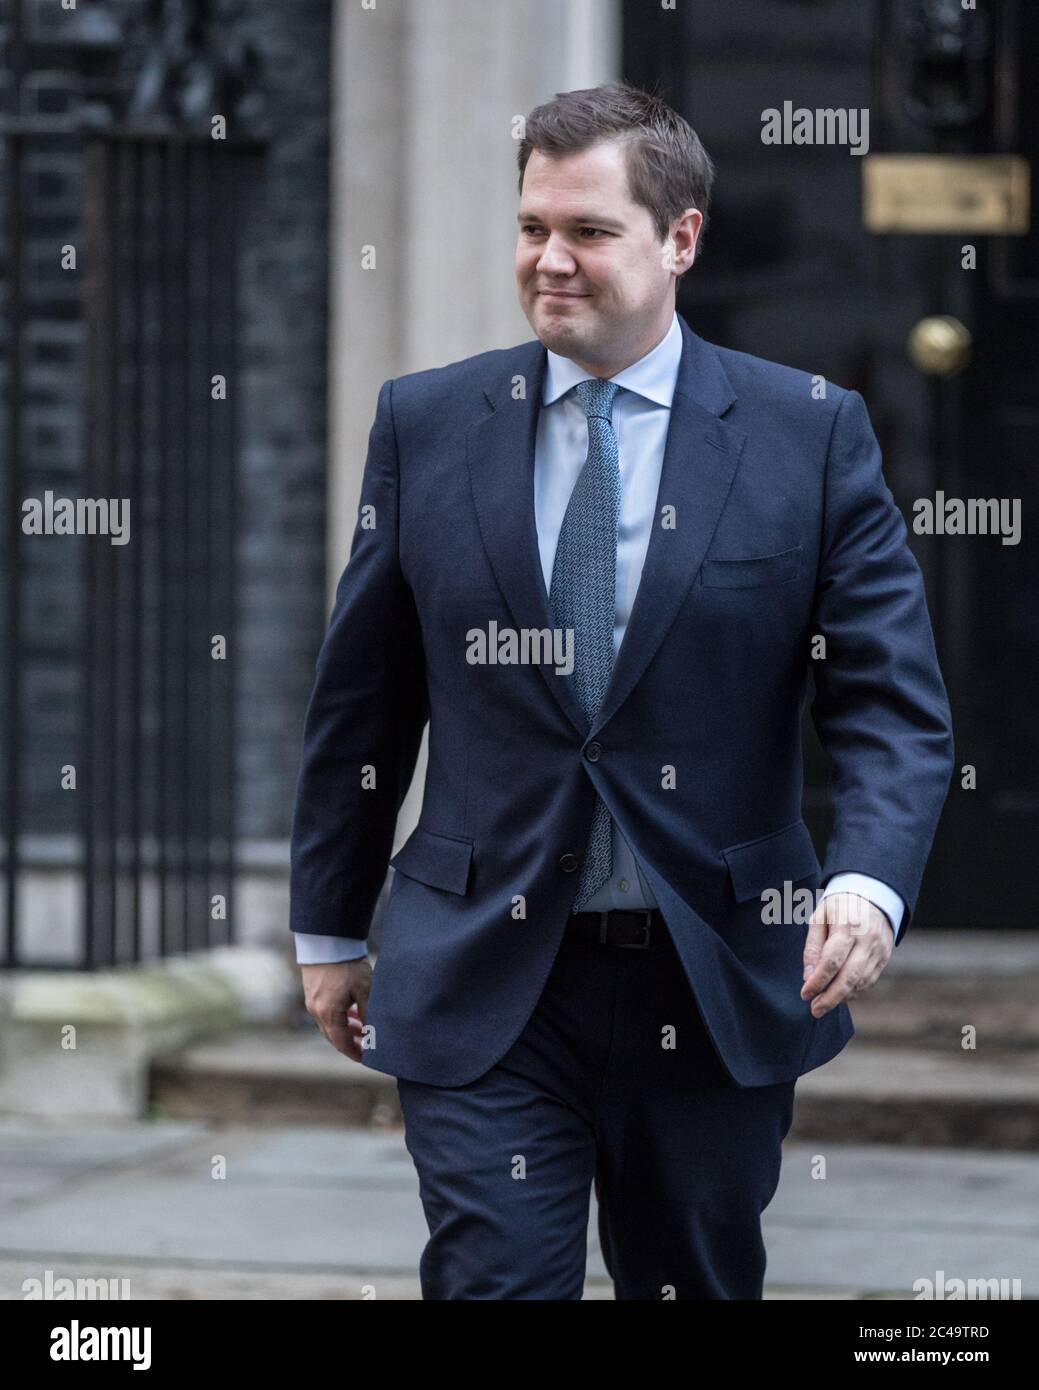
223	225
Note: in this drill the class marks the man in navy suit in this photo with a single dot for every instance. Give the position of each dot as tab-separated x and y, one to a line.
601	565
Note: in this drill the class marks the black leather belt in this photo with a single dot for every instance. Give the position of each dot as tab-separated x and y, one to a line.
618	928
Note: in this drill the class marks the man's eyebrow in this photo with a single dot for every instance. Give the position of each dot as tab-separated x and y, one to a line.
580	220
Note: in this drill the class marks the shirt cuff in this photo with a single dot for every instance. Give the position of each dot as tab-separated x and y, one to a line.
325	950
879	894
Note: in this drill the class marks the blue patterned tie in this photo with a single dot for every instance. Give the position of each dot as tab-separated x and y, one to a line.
583	592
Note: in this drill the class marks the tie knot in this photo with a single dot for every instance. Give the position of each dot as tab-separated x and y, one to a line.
596	397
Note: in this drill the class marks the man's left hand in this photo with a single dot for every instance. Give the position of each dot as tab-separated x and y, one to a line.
848	944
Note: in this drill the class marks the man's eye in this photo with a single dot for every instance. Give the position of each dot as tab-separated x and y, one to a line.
529	229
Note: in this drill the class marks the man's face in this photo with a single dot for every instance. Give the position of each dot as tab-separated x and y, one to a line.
592	275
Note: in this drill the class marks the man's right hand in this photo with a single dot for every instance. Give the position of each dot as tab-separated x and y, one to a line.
336	997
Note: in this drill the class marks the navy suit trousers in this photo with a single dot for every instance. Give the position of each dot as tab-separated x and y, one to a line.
613	1081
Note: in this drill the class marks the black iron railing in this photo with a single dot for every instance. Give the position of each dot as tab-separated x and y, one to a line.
153	852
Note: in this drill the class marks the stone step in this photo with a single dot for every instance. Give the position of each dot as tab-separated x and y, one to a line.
871	1093
885	1094
934	1010
274	1075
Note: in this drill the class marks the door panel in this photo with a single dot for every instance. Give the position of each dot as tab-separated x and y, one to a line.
791	272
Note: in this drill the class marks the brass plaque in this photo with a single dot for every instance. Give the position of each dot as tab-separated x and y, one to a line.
986	194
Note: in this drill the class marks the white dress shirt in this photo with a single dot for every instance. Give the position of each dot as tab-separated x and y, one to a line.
641	417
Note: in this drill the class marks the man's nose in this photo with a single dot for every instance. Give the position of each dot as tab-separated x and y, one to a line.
555	258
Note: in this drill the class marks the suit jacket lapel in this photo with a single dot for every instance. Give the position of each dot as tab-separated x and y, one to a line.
701	457
500	455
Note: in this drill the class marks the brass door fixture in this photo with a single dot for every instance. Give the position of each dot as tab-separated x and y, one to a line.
940	345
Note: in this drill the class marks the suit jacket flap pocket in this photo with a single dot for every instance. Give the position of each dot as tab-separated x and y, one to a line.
767	862
442	861
748	572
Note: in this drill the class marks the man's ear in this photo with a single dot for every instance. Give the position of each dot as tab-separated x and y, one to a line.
669	243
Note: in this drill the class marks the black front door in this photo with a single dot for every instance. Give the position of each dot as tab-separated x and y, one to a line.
924	296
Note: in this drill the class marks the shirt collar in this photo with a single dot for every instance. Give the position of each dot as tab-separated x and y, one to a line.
653	376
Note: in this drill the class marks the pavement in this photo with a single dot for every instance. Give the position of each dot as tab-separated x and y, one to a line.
271	1167
197	1210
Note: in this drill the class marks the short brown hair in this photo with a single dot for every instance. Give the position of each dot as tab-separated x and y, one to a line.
668	168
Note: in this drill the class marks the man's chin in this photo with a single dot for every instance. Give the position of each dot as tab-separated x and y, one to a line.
562	324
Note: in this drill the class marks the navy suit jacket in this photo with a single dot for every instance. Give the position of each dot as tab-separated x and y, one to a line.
782	529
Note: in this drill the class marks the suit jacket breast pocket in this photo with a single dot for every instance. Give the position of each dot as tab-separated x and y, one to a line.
752	571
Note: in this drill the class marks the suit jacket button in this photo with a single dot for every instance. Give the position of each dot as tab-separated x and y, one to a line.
568	863
593	752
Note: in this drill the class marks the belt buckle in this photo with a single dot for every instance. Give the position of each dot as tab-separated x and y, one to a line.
642	945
